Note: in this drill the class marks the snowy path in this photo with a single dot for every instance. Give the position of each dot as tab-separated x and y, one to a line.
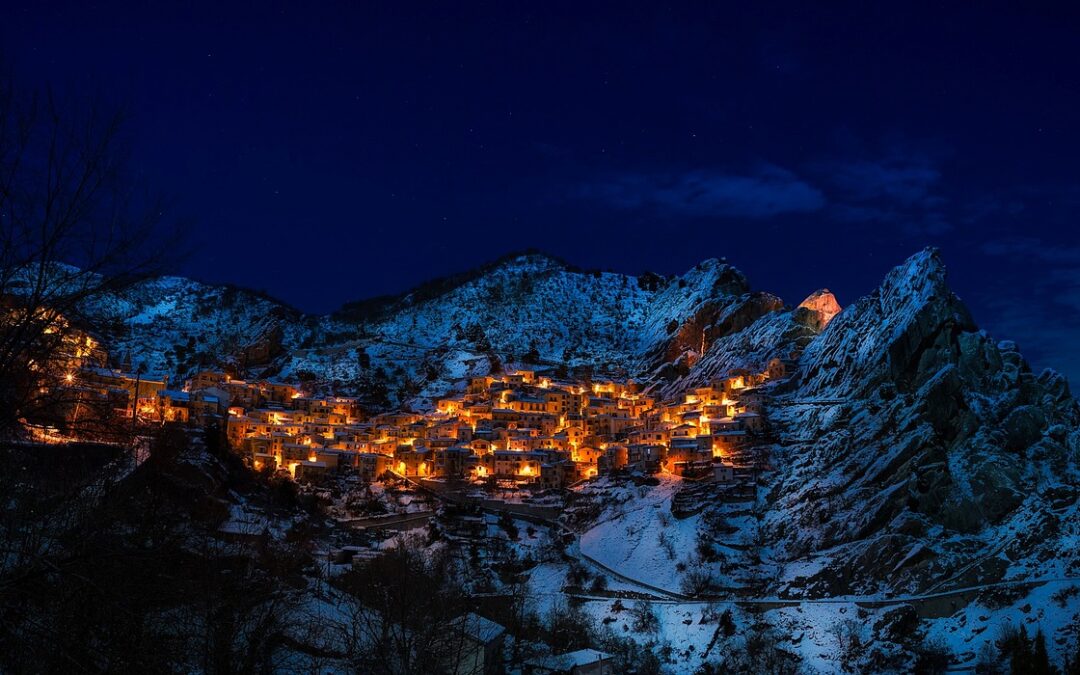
652	593
639	545
647	588
870	601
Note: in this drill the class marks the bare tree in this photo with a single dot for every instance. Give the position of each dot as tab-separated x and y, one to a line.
73	228
411	602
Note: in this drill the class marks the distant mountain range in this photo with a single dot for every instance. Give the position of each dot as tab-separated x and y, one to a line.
527	309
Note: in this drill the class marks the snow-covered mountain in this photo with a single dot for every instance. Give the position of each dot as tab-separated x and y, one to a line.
909	454
914	465
175	326
907	437
526	309
918	452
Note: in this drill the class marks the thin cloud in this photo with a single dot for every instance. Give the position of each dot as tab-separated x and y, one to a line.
905	182
1034	249
902	190
770	191
1045	318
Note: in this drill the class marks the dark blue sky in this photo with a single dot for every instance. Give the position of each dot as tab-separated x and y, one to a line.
347	150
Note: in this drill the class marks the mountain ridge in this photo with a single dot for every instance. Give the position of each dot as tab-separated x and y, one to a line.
906	451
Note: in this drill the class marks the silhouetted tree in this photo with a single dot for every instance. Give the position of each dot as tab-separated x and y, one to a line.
72	228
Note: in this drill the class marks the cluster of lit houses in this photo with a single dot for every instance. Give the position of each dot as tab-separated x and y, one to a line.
523	426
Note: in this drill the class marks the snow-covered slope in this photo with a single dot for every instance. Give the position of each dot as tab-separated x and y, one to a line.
911	453
916	449
527	309
175	326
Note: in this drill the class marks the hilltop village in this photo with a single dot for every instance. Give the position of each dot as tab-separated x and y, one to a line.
523	426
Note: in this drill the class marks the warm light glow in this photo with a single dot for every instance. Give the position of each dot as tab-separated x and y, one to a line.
526	470
69	377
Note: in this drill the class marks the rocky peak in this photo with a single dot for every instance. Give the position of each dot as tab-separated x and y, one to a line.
822	303
725	279
919	279
904	332
931	443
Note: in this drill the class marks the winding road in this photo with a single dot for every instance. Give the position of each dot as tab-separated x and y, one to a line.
646	592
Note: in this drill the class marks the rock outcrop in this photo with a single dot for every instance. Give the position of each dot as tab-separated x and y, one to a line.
821	307
915	445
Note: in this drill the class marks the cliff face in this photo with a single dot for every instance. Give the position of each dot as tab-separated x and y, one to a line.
916	449
823	305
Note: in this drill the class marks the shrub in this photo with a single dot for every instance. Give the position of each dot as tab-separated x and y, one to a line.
643	618
760	652
697	581
727	623
932	657
849	638
568	628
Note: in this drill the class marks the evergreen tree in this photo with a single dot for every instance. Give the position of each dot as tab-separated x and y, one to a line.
1020	653
1015	647
1040	659
1072	666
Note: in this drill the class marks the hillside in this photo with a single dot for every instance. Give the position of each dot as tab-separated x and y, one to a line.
919	451
526	309
908	457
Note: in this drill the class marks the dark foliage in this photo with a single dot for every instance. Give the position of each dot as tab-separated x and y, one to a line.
931	657
131	575
1021	654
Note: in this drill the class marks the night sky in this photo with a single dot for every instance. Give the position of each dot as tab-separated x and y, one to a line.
341	151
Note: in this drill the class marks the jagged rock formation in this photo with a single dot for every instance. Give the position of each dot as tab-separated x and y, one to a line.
824	306
916	450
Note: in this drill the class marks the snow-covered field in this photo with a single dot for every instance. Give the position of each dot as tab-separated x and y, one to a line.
641	539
